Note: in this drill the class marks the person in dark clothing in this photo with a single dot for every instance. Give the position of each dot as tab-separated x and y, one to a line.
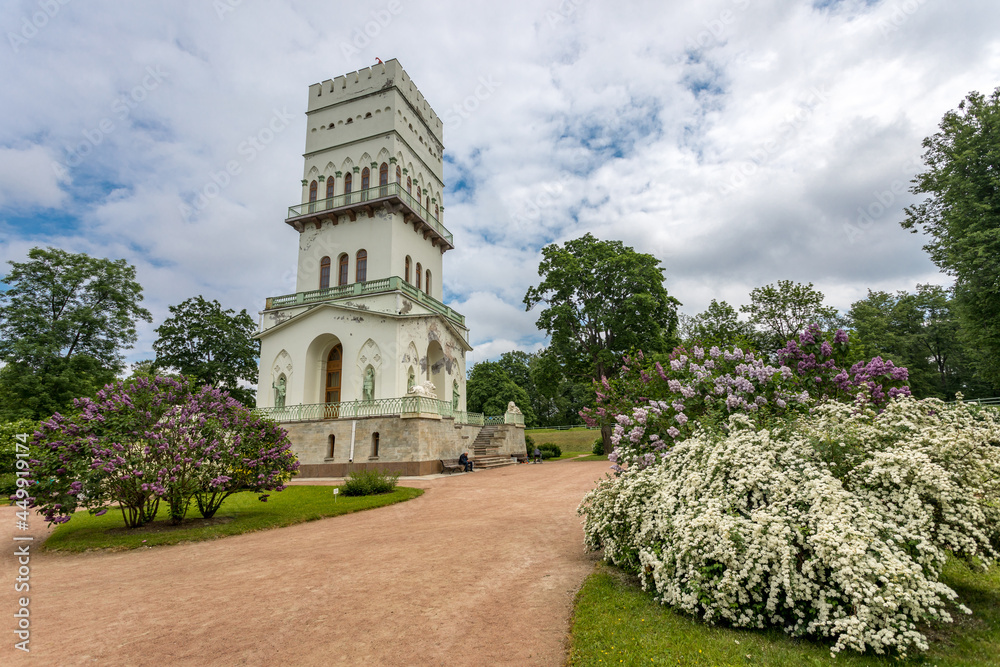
463	460
536	454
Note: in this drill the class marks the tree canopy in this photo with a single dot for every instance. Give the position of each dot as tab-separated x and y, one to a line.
961	215
718	325
210	345
64	322
781	311
602	299
489	389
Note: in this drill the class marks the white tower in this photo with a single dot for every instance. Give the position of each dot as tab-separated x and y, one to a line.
366	322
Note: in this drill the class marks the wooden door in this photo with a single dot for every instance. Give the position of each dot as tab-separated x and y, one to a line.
334	366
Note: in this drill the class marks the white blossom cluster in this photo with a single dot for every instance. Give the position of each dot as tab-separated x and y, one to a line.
834	524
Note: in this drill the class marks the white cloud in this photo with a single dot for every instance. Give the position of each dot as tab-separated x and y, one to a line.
28	179
737	141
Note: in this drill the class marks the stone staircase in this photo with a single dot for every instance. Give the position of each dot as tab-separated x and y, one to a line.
485	453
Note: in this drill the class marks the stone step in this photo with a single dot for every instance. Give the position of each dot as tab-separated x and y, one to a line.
493	461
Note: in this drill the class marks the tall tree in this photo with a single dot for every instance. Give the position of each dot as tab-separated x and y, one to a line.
961	214
921	332
602	299
781	311
64	322
719	325
489	389
211	345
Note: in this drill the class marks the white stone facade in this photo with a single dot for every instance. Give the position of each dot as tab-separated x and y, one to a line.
382	329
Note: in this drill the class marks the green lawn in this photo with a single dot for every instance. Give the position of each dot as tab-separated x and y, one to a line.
578	440
617	623
241	513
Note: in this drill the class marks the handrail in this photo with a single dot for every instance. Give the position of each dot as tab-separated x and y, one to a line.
381	407
373	195
391	284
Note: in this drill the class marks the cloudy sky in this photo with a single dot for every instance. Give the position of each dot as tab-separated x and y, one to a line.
739	141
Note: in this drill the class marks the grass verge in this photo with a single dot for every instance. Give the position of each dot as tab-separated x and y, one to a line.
240	513
576	440
616	622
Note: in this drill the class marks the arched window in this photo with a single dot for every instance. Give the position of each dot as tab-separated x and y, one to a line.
342	270
348	181
312	196
361	266
365	183
383	180
427	283
418	275
409	186
428	206
437	211
375	445
406	270
399	175
331	441
324	273
329	189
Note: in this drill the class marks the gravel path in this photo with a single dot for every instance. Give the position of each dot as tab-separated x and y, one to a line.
480	570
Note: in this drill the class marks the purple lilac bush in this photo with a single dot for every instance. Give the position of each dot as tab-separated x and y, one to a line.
148	440
651	405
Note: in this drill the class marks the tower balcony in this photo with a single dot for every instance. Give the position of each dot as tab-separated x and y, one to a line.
393	195
366	288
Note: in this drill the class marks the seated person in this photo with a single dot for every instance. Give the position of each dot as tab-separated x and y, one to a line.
464	461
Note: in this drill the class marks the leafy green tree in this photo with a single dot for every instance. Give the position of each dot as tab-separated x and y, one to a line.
719	325
602	300
64	322
921	332
779	312
489	389
211	345
961	215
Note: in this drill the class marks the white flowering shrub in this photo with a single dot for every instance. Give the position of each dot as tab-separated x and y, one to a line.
832	524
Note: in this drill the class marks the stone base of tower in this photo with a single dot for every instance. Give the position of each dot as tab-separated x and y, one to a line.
411	446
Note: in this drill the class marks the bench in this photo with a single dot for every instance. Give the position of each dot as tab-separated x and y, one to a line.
451	465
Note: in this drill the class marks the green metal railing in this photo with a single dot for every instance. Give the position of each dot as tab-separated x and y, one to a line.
392	284
375	194
984	401
384	407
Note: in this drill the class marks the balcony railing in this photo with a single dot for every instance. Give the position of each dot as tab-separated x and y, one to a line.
353	200
391	284
384	407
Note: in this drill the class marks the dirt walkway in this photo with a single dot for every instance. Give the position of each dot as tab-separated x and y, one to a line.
480	570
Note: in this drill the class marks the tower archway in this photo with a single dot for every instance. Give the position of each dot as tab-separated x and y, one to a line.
436	369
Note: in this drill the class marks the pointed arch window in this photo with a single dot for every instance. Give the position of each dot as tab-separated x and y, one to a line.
348	182
361	266
409	186
428	207
365	183
342	270
329	189
324	273
399	175
418	275
383	180
312	196
406	269
427	283
437	212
